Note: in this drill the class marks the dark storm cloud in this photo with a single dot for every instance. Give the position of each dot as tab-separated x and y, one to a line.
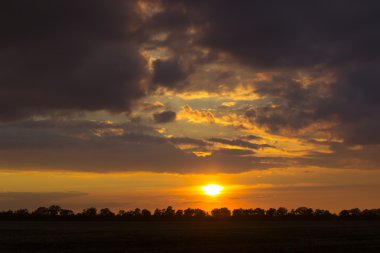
250	137
288	105
164	116
355	100
187	140
316	37
68	56
291	34
169	73
250	113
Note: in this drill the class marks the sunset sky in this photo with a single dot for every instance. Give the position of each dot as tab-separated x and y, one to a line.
140	103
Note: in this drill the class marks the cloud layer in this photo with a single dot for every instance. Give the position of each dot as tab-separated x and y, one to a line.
299	80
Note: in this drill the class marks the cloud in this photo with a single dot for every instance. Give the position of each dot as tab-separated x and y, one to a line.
343	156
349	105
318	39
150	106
250	113
287	103
270	34
355	102
235	152
98	146
187	140
164	116
305	70
107	147
240	143
228	104
250	137
169	73
197	116
69	56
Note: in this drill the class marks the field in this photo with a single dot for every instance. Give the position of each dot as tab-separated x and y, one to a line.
259	236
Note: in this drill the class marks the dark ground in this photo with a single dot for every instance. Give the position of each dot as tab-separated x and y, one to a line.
259	236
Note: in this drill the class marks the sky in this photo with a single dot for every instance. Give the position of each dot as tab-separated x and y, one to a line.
139	103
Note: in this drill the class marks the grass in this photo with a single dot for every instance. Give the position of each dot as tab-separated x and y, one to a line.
259	236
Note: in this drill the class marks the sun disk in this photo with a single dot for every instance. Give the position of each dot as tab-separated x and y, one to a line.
212	189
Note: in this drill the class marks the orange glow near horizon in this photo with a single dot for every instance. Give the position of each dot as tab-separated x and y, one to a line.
291	188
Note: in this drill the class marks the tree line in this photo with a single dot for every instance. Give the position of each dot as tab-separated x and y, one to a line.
55	212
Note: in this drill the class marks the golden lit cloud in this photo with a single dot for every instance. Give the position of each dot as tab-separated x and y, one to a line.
240	92
108	132
196	116
228	104
202	153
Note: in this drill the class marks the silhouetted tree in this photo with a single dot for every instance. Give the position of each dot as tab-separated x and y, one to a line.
188	213
54	210
41	211
146	213
355	212
157	213
66	213
121	213
259	212
238	213
7	214
371	213
281	212
136	212
21	212
105	212
221	213
250	213
344	214
199	213
168	212
89	212
179	213
270	212
322	214
304	212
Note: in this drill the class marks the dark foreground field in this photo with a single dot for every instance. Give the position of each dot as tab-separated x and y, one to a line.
264	236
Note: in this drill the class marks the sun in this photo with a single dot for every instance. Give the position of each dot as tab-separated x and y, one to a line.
212	189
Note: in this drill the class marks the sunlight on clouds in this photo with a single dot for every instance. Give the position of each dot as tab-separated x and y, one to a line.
196	116
228	104
202	153
108	132
240	92
284	145
148	8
